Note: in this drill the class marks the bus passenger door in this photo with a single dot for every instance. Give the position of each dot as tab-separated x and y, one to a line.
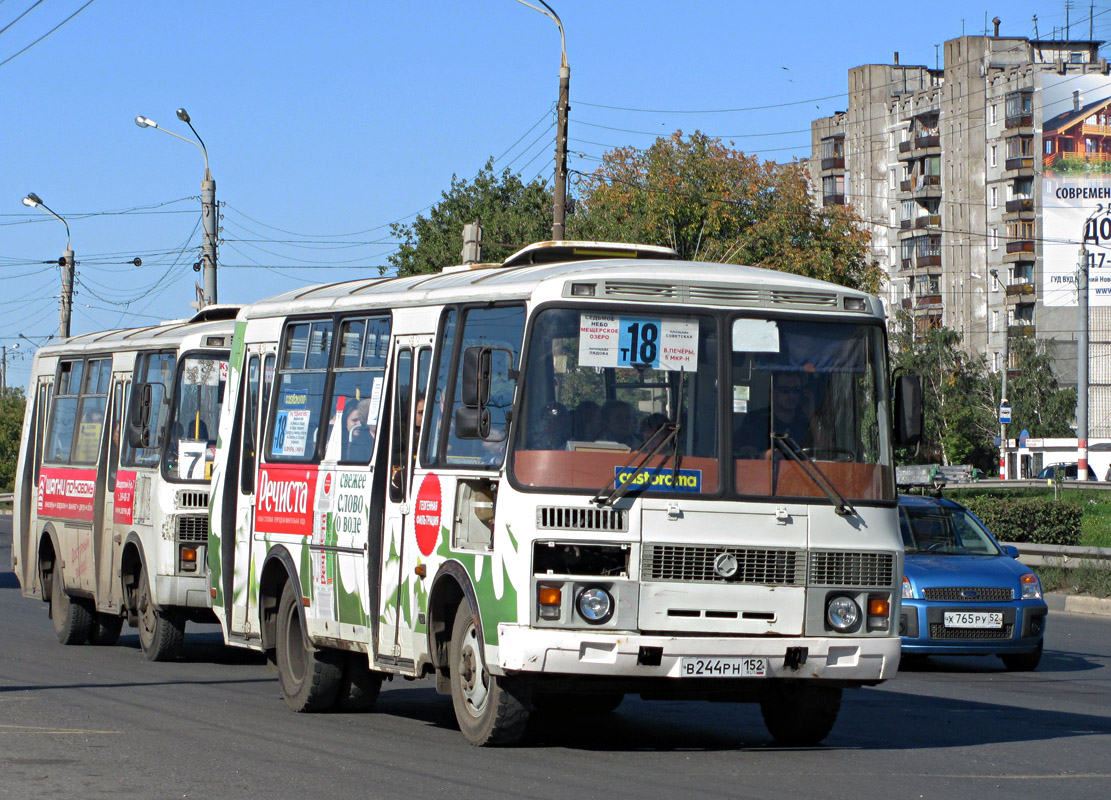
107	539
28	486
239	596
398	618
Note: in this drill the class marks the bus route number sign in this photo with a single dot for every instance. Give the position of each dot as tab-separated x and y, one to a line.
608	340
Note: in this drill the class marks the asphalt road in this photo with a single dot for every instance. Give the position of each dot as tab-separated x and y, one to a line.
85	722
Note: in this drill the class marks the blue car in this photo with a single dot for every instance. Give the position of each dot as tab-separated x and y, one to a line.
964	594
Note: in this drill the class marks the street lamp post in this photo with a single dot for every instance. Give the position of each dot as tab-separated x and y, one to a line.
66	262
208	206
559	205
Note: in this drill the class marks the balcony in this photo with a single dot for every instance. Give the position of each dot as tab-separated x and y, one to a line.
930	140
837	162
1020	331
1020	246
905	224
1020	293
928	261
907	303
1020	204
833	199
927	300
1023	121
1020	164
928	221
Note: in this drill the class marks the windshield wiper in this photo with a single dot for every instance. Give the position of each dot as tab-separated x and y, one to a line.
604	499
814	472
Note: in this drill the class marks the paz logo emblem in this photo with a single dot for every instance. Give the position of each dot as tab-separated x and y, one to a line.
726	565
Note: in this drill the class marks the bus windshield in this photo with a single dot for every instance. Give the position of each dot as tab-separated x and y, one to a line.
198	395
804	406
604	391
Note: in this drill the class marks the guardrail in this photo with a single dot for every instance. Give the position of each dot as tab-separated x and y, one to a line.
1052	555
6	498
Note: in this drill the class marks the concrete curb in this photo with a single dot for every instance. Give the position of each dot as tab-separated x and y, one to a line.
1079	604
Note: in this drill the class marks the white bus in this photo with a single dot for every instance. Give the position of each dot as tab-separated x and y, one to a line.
112	484
589	471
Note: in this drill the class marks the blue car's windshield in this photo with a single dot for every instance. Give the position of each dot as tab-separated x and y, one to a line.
942	530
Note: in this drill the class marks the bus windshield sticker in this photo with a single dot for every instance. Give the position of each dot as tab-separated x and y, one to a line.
606	340
291	429
190	459
755	336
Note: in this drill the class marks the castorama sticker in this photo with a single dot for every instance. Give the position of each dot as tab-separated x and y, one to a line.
283	502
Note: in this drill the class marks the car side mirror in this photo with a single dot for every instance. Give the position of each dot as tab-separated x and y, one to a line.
1011	550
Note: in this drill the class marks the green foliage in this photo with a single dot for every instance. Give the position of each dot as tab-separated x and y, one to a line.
713	203
960	406
1089	579
512	213
11	425
1029	519
1038	404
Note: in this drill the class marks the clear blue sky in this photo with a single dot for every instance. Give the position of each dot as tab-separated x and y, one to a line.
327	121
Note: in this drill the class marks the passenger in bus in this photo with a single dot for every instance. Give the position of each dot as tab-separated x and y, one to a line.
653	430
619	423
587	421
554	428
753	438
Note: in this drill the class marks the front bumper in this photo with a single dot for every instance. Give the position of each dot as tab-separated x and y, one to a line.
861	660
921	624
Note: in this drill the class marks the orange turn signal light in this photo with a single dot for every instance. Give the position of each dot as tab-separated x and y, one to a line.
878	607
551	596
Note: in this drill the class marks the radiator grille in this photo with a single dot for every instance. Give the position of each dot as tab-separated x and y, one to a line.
192	529
828	568
669	562
192	499
985	594
939	631
560	518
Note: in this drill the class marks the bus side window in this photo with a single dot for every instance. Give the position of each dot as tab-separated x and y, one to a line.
250	425
399	442
63	417
114	444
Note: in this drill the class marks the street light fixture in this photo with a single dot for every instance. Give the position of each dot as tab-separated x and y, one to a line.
208	204
559	206
65	310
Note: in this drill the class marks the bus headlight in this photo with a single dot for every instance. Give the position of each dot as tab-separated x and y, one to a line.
842	613
595	605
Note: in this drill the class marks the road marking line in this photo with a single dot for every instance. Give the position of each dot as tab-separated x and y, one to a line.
35	729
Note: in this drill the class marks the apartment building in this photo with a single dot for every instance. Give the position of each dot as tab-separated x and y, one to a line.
976	180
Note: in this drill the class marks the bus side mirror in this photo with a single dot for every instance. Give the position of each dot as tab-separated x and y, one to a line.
476	377
909	410
472	423
142	409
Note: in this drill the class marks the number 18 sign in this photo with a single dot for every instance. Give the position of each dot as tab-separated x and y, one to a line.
608	340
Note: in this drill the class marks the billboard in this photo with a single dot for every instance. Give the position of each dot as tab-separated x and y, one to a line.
1076	186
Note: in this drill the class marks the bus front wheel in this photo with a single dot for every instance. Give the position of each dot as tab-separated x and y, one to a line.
161	633
309	678
488	711
71	616
800	713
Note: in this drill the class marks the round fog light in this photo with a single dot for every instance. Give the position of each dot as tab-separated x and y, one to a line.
595	605
842	613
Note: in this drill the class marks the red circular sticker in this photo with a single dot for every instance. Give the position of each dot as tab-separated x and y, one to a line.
327	483
426	517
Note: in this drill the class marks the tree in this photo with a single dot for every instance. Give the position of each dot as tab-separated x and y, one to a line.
959	400
11	426
512	213
714	203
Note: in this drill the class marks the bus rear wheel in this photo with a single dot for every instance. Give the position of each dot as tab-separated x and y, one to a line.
105	629
71	616
488	711
799	714
309	678
161	633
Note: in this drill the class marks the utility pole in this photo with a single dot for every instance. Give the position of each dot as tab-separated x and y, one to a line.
1082	366
559	204
1003	399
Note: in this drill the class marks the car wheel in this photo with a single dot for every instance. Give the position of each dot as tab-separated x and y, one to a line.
1022	662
